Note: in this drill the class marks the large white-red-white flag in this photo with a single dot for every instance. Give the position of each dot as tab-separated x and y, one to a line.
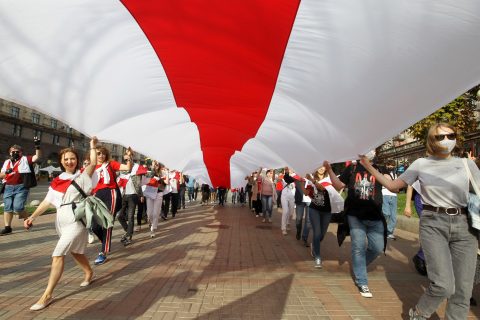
218	88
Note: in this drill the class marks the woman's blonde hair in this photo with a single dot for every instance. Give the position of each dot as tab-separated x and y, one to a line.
433	145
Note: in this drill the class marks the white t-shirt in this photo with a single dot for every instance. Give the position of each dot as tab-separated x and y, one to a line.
443	182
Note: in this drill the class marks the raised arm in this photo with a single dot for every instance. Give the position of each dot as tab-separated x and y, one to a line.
392	185
38	152
129	165
336	183
93	156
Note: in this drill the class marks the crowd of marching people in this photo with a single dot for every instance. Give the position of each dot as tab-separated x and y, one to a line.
362	198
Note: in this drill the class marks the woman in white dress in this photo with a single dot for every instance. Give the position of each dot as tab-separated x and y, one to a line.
73	234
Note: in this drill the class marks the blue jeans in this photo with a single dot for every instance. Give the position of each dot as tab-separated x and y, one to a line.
389	209
319	221
299	210
15	197
267	206
450	254
362	254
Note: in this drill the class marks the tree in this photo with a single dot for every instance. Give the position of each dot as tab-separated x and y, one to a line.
459	113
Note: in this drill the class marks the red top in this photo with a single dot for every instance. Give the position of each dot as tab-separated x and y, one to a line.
112	167
279	185
15	177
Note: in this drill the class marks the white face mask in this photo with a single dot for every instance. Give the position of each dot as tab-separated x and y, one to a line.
449	144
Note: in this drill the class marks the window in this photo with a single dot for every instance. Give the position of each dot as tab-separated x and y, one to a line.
69	130
56	139
37	133
17	130
15	112
70	143
53	123
35	118
114	149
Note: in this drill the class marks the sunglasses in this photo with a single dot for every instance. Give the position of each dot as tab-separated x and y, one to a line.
99	153
126	160
86	163
450	136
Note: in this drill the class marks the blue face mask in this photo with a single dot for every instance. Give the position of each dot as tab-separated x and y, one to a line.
449	145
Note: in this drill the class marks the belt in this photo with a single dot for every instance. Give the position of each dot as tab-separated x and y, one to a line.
449	211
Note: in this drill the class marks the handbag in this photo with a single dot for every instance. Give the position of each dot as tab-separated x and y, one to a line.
473	200
102	215
29	179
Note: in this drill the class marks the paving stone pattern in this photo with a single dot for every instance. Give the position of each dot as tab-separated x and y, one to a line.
209	263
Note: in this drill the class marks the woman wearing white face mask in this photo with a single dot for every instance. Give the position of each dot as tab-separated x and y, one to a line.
449	244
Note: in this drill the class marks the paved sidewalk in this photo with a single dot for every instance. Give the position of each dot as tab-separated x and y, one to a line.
208	263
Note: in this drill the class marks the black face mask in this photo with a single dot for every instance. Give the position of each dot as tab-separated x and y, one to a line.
15	155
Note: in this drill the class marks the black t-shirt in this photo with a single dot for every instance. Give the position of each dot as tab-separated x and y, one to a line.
364	198
321	201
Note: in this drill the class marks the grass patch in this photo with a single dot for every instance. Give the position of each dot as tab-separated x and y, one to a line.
30	210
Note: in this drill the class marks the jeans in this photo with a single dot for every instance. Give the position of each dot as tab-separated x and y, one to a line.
190	191
319	222
141	209
221	197
129	203
288	207
363	254
279	198
300	208
389	209
267	206
450	250
15	197
175	202
181	198
165	205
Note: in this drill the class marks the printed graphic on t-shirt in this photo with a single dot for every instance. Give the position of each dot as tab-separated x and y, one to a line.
364	186
318	199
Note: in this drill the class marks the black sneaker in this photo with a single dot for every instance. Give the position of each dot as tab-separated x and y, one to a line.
6	230
124	237
306	244
419	264
299	231
365	292
127	242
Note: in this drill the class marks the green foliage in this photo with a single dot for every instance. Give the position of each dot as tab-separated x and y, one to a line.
459	113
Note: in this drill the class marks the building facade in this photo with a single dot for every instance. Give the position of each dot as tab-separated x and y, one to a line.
19	124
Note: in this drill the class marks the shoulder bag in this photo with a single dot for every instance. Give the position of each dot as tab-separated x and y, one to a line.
473	200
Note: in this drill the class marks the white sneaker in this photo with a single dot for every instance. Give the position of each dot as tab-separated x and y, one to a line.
91	238
365	292
284	232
